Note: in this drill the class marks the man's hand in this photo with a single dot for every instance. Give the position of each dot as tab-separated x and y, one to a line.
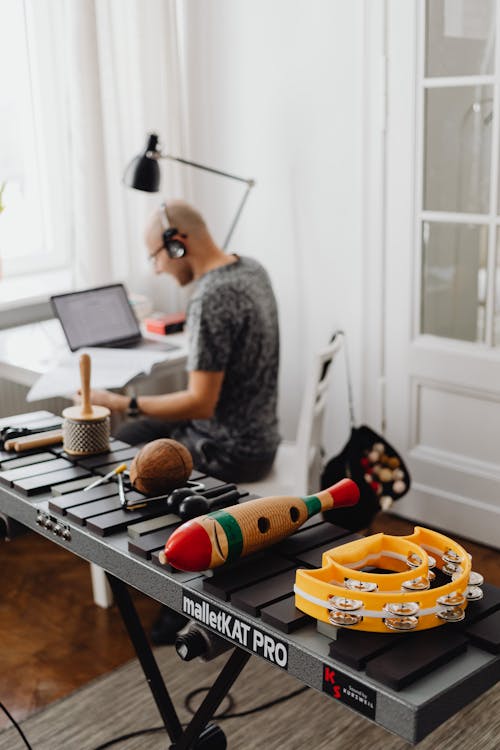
113	401
198	401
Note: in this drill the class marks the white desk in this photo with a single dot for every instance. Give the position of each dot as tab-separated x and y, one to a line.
28	351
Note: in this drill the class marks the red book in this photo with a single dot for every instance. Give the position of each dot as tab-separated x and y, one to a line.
165	323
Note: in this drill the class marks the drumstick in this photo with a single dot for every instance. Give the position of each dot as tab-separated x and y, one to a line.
36	440
121	492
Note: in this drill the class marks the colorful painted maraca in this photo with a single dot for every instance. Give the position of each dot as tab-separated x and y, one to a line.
225	535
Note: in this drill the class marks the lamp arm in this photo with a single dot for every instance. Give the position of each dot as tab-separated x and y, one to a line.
156	154
250	183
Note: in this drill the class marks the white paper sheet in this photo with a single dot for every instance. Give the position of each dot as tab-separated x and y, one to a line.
110	368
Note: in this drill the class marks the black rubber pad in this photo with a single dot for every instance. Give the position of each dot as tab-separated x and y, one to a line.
313	557
309	538
7	455
118	520
113	457
477	610
262	594
73	499
17	460
225	581
81	513
149	543
36	485
403	665
285	616
33	470
355	647
486	633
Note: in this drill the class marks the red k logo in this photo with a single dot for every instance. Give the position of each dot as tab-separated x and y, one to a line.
329	678
353	693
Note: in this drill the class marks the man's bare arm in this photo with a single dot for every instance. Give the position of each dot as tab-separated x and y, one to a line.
198	401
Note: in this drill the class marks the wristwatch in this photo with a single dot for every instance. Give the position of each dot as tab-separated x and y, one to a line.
133	408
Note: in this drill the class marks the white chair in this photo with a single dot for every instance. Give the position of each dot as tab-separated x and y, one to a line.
298	464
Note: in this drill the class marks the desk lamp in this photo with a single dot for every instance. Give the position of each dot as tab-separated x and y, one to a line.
143	173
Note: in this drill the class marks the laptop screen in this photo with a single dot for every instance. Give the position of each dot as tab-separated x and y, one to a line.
96	317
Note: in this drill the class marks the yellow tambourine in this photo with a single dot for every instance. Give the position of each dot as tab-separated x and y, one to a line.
343	593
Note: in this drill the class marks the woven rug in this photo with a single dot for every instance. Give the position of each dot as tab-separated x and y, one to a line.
121	702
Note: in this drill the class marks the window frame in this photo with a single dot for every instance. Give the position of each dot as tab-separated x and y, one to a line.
45	46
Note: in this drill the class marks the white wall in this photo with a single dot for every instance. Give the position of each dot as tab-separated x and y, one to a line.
274	92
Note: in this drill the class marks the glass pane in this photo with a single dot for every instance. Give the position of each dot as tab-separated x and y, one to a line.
19	177
458	148
453	299
460	37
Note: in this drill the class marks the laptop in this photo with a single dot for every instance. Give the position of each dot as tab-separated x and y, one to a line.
102	316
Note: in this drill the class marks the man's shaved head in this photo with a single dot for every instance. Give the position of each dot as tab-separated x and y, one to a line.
178	214
186	218
201	253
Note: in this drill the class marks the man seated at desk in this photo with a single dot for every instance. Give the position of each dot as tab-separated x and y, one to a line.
227	416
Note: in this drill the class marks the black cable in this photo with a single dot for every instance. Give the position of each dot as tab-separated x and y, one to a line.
23	736
124	737
224	715
188	698
221	716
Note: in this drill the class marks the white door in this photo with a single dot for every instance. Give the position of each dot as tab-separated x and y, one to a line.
442	260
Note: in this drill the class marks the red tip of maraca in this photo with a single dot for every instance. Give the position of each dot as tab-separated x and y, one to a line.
344	493
189	548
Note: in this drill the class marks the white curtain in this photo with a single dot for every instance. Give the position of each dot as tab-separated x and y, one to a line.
125	76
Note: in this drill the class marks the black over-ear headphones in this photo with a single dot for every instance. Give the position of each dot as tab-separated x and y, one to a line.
175	248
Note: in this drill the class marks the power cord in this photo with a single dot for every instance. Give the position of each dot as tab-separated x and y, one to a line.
21	733
129	736
222	716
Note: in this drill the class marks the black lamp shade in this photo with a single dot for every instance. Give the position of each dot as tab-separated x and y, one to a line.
143	172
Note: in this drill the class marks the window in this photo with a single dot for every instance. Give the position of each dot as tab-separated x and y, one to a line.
35	224
458	215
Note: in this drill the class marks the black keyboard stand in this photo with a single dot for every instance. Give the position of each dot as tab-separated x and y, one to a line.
199	733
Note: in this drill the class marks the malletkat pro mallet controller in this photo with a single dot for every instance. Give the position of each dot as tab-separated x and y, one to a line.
225	535
85	427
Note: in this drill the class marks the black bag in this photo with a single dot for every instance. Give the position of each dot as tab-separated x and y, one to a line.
375	466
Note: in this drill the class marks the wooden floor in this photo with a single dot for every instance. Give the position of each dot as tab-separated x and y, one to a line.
55	640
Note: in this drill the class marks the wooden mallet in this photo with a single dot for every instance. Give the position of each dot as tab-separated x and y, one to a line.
85	427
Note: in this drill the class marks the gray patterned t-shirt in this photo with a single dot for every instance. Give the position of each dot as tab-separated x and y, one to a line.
232	324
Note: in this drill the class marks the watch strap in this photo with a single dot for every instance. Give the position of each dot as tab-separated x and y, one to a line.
133	407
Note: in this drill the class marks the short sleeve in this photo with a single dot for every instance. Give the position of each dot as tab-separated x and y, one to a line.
211	331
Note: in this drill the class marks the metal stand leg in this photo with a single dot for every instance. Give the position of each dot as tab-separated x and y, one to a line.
146	658
213	699
197	728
